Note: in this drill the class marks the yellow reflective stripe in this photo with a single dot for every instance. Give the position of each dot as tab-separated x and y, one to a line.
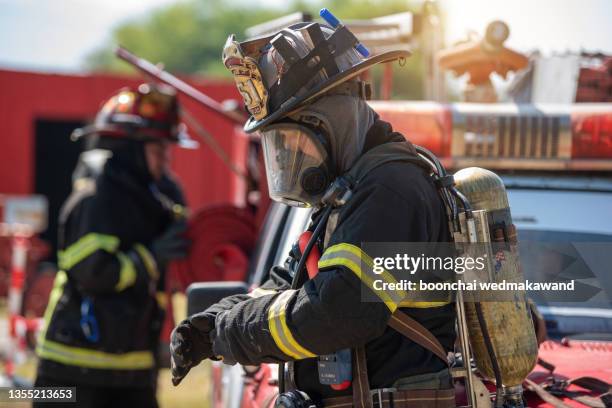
127	273
352	257
162	299
259	292
423	304
180	211
356	269
277	322
385	275
147	260
84	247
75	356
56	293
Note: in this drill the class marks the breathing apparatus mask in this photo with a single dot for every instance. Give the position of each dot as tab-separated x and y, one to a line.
298	163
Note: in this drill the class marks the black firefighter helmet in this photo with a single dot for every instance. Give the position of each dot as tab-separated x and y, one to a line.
278	74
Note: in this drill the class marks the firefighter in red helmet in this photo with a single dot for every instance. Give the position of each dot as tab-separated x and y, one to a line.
118	230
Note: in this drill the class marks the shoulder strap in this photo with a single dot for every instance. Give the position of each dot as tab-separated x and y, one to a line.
382	154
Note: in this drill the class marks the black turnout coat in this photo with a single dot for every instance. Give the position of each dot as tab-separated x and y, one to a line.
396	202
103	321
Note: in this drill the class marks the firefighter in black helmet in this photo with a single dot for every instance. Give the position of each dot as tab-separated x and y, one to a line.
118	229
325	148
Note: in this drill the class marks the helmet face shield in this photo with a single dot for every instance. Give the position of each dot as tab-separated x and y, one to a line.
296	164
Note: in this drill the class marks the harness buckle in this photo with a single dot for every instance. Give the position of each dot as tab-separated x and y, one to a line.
378	394
338	193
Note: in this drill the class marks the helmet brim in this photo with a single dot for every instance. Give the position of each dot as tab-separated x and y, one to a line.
295	103
182	139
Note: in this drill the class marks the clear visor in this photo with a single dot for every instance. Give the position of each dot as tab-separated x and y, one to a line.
294	157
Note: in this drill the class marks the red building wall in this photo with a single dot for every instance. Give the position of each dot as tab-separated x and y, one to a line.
28	96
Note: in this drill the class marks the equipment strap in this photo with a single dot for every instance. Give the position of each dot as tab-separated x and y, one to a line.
548	392
362	398
418	333
361	384
591	384
399	399
594	385
545	395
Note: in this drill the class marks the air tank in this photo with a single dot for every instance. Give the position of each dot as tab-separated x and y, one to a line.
508	322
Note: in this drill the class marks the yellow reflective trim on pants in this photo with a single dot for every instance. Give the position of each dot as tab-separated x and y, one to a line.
353	258
83	357
277	322
259	292
127	273
84	247
75	356
147	260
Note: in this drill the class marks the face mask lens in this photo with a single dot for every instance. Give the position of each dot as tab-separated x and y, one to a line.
292	152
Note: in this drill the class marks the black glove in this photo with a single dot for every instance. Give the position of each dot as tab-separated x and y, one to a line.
172	244
190	344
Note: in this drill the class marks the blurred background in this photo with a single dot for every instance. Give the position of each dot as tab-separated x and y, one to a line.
58	63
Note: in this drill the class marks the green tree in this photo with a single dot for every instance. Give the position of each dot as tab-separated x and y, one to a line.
187	37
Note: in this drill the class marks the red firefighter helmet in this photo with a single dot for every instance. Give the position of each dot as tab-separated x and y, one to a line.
148	113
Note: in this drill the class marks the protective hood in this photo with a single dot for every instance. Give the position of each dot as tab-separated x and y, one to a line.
347	120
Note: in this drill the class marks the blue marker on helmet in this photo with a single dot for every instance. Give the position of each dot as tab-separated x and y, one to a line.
334	22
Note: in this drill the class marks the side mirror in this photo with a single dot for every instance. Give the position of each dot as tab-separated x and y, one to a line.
202	295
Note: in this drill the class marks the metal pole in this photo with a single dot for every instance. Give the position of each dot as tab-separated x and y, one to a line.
156	72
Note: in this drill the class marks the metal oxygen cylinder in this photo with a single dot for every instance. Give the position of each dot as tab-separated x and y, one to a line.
506	325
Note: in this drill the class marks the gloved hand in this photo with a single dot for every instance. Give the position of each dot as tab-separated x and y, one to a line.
190	344
172	244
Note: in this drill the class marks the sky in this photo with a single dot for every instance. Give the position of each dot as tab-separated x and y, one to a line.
56	35
547	25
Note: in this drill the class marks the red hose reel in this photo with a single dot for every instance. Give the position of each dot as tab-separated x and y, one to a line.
223	237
